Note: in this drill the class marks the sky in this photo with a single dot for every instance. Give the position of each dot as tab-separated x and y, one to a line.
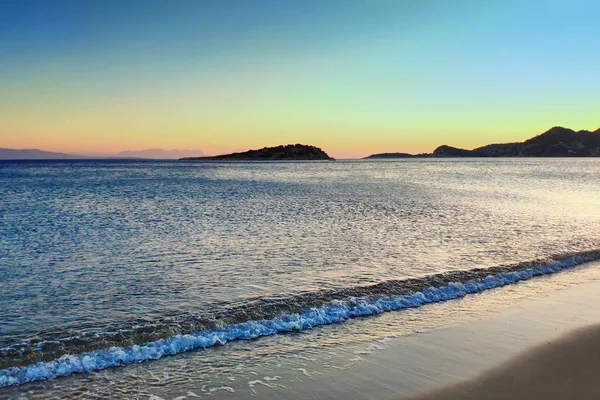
352	77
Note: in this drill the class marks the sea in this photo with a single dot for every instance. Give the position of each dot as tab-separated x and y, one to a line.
176	279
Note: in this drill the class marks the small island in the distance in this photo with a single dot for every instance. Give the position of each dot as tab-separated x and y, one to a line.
290	152
556	142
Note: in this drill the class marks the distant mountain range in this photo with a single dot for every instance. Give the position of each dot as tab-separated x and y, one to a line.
278	153
556	142
36	154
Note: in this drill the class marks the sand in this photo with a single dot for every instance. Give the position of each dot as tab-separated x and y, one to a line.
566	368
547	321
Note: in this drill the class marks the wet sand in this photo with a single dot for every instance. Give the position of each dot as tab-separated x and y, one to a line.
541	348
555	356
566	368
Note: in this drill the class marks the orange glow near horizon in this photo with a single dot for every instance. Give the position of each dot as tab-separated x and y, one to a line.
338	143
379	77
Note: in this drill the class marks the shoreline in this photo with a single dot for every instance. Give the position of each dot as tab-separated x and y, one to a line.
426	363
431	289
399	353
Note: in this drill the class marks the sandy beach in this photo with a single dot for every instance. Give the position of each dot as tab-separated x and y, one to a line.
565	368
545	346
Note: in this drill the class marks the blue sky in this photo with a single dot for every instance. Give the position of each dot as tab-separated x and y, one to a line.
351	76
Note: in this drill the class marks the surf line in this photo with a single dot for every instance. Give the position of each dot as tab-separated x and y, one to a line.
335	311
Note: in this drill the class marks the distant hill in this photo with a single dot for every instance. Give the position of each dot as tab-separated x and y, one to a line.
36	154
556	142
278	153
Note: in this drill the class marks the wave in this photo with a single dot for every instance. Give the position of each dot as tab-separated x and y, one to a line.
261	317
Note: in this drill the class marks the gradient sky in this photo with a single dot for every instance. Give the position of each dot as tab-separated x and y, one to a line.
352	77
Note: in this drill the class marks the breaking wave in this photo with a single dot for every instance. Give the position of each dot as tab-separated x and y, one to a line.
62	356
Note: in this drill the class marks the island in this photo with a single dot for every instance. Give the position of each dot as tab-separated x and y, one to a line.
290	152
556	142
389	155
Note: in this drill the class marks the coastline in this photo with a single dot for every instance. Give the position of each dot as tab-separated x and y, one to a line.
398	353
426	363
428	290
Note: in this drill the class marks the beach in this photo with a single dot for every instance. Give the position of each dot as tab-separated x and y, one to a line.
564	368
547	346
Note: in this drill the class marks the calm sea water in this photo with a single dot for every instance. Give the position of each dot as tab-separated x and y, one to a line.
99	253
